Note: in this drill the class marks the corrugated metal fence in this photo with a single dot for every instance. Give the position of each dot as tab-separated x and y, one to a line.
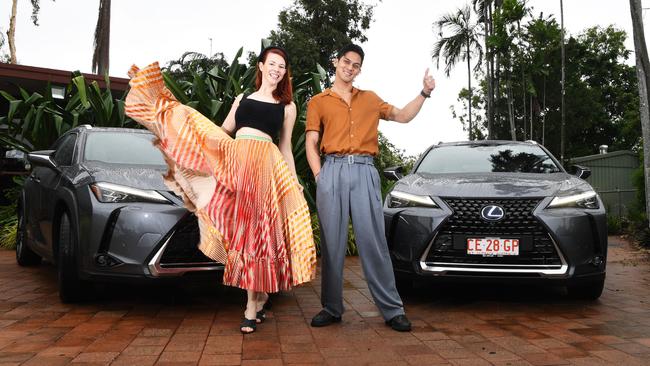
611	177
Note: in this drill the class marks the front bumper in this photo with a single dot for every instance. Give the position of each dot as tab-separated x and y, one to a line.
564	245
132	241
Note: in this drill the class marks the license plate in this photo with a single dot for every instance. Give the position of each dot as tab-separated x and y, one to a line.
492	247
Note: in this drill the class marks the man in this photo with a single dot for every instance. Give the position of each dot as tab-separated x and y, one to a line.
348	183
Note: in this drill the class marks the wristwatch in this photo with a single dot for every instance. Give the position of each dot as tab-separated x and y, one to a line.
422	93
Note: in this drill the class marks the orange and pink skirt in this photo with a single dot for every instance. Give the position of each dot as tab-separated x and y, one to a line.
252	214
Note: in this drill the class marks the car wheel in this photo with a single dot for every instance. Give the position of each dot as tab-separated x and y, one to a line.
24	255
587	291
71	288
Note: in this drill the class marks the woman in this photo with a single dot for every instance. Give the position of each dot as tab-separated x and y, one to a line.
251	211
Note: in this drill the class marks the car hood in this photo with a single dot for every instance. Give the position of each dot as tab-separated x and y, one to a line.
480	185
142	177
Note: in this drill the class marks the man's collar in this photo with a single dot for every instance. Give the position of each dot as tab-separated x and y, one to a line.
329	91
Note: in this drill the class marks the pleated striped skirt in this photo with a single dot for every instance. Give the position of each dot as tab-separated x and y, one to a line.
251	211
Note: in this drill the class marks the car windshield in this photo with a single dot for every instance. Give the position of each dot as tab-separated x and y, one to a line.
122	148
484	158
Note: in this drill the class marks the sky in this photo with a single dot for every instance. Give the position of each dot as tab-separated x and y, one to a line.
398	50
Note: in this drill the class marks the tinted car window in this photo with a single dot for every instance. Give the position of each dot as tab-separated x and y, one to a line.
122	148
480	158
64	150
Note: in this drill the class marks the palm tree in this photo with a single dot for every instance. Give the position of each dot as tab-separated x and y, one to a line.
102	38
460	45
484	10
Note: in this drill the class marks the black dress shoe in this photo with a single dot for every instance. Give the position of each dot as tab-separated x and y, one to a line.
324	318
399	323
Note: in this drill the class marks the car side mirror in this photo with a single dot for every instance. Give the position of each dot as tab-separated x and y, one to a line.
42	158
16	159
581	172
394	173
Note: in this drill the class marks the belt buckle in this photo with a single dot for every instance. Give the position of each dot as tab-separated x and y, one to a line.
350	159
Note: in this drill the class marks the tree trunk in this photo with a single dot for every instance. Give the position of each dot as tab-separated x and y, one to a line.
643	73
488	74
11	33
530	105
562	84
102	38
493	78
523	83
469	88
511	112
544	111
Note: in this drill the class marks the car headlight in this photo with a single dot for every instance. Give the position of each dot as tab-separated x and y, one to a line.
587	199
115	193
397	199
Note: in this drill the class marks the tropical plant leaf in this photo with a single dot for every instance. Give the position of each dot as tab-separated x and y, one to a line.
215	106
13	143
175	88
7	96
80	83
23	93
120	115
75	119
58	123
14	105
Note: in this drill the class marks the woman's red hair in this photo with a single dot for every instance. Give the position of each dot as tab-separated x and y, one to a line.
284	91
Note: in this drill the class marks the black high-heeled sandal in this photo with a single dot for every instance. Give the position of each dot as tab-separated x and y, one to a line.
261	315
248	323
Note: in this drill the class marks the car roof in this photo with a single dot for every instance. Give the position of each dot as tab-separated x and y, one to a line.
486	143
92	129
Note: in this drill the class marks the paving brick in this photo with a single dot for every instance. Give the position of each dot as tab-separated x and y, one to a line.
218	360
125	360
99	357
170	357
48	361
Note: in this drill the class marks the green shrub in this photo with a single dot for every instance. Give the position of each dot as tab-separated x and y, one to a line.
613	225
8	218
8	226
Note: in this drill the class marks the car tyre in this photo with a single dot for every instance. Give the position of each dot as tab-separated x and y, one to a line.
24	255
71	288
587	291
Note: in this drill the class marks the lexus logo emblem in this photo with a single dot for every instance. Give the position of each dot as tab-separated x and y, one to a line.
492	213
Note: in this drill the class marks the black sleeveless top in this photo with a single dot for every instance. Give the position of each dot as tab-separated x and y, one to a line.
264	116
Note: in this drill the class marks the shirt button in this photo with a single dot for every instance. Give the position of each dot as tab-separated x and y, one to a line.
352	122
351	135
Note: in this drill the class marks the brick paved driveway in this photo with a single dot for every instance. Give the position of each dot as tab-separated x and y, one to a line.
197	324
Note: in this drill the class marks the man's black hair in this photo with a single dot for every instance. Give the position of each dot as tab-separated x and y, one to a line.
350	48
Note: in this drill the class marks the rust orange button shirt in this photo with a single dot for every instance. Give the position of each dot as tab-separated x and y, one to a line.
347	129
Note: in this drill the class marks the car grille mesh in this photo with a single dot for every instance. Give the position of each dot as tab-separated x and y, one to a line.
182	248
518	222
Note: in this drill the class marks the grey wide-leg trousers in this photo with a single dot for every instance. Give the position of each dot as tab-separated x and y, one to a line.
349	185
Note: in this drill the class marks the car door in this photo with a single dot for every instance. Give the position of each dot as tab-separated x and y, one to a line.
50	180
32	207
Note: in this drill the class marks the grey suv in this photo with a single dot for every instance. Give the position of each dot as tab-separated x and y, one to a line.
97	207
500	211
